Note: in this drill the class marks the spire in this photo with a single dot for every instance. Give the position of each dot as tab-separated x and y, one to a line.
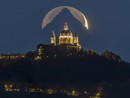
53	38
66	26
53	34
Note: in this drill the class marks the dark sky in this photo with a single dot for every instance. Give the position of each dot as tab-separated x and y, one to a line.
109	23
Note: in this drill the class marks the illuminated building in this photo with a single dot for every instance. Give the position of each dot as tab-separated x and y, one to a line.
12	56
66	37
68	45
53	38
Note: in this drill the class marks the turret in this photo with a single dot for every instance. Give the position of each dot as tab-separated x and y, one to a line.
76	39
53	38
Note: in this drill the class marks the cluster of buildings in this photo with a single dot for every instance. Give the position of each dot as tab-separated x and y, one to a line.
11	87
68	44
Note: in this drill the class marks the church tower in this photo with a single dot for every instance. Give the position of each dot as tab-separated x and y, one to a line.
76	39
53	38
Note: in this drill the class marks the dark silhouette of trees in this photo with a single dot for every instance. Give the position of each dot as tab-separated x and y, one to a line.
111	56
81	68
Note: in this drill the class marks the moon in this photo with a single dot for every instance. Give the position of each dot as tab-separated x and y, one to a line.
49	17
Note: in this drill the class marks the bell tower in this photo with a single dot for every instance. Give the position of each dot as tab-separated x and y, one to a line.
53	38
76	39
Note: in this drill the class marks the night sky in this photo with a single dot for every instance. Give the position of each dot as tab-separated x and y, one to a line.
109	24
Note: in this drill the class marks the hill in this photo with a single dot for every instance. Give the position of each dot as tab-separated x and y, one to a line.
86	69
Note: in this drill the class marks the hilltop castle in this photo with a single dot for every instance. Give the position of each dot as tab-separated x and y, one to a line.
68	45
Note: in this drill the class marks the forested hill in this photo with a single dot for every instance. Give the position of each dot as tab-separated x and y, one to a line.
86	67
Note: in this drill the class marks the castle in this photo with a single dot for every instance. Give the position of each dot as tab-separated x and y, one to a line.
68	44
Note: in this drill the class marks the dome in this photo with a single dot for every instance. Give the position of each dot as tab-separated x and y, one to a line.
66	36
66	31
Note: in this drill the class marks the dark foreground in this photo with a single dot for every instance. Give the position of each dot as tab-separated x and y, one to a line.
35	95
103	75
